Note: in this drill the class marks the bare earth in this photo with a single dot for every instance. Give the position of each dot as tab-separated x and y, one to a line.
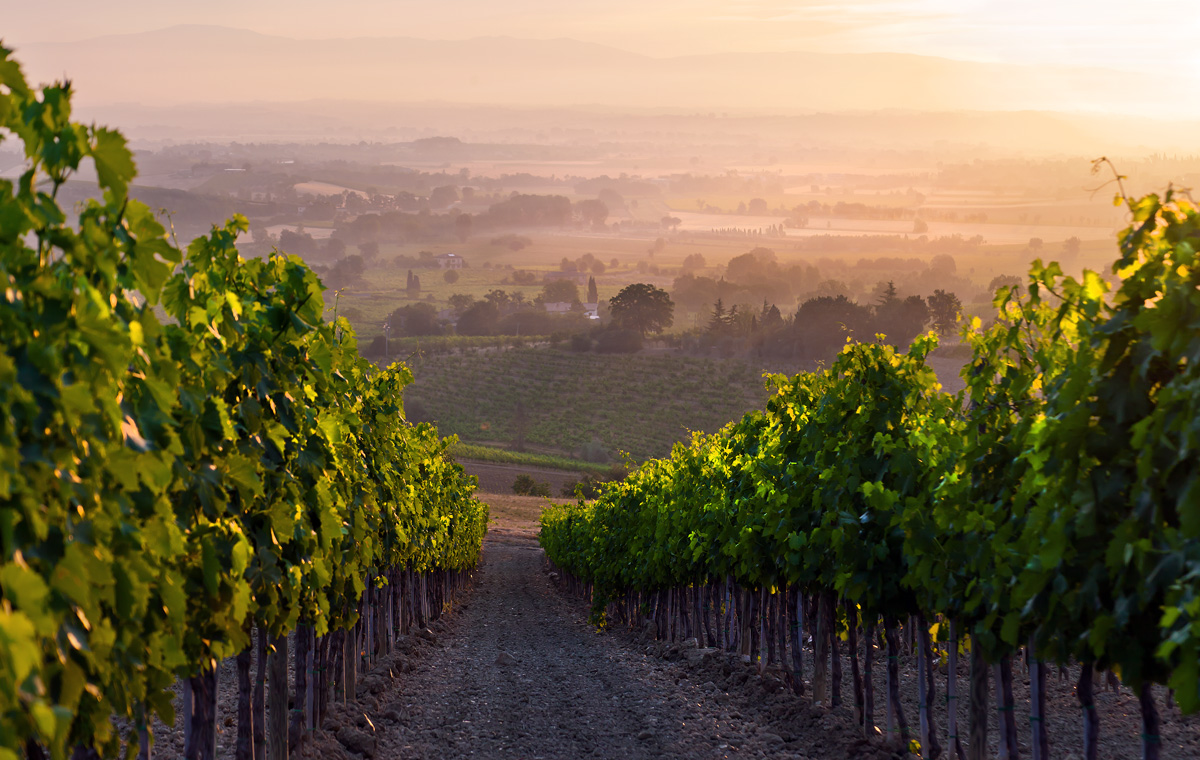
569	692
499	478
516	671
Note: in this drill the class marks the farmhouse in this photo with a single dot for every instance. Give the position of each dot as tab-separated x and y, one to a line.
449	261
590	310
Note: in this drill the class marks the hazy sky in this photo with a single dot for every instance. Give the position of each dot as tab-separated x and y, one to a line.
1145	35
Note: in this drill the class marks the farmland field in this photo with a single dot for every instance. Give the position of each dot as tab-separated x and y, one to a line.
640	404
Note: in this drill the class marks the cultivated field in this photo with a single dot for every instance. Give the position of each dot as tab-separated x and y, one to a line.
638	403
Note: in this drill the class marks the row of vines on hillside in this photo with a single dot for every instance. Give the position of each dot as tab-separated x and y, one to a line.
188	452
1051	508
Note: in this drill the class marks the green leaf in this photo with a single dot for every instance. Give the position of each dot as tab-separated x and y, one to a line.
114	162
18	642
242	472
28	592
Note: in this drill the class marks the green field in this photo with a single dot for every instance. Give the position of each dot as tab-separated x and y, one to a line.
495	455
638	403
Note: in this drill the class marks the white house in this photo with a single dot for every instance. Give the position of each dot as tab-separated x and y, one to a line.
590	310
449	261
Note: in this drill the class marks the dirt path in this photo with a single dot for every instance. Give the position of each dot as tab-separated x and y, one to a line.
567	693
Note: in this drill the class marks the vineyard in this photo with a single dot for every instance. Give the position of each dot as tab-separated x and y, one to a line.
191	453
1050	510
640	404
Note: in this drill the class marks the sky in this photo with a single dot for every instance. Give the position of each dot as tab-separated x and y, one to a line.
1144	36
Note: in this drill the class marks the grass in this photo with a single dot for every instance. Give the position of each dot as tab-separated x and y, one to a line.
461	450
512	512
640	404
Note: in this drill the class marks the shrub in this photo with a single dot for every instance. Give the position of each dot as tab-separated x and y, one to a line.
590	486
594	451
525	485
581	343
513	241
618	342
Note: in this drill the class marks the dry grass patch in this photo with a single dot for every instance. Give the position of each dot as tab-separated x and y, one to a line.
511	512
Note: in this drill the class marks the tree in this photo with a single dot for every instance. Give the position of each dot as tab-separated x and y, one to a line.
770	317
525	485
752	267
450	276
822	324
345	272
443	196
462	227
901	320
758	207
691	293
944	308
479	319
460	302
887	294
1003	281
593	212
335	248
719	319
1071	246
943	263
415	319
593	294
642	307
299	243
692	262
368	250
831	289
560	291
498	298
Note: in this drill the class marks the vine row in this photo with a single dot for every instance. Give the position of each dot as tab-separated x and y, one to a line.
189	451
1051	508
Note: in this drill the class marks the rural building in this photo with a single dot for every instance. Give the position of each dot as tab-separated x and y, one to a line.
449	261
590	310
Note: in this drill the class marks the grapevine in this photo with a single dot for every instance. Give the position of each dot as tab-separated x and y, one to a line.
167	485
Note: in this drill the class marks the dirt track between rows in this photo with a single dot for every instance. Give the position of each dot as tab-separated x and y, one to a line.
569	692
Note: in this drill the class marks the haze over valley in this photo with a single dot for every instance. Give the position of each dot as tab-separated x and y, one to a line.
746	163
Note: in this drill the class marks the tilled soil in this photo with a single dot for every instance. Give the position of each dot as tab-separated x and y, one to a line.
518	672
498	478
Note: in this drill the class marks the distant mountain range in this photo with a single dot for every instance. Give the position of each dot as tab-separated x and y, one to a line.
214	64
